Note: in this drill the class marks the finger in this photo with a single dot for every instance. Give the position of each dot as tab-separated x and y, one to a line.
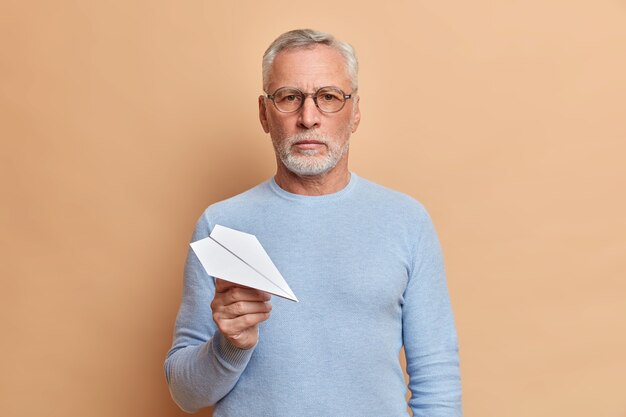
237	299
237	325
223	285
241	308
233	293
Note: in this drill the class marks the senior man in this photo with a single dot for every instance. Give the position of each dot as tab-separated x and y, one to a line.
364	262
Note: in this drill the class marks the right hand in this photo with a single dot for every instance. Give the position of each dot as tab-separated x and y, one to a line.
238	310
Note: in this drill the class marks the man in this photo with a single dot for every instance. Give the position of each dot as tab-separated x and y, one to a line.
364	262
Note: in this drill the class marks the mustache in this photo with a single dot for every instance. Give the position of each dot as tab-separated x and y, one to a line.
303	136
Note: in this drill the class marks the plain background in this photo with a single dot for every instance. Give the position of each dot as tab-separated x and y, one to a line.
121	121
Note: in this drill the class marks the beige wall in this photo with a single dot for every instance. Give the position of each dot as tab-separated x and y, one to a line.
120	121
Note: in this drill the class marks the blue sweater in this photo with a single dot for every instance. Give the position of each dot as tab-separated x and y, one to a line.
366	265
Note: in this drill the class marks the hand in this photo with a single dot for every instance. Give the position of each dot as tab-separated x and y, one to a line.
238	310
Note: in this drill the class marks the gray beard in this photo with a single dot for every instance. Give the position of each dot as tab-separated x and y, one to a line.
308	162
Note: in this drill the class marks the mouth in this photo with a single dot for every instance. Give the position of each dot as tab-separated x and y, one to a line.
309	144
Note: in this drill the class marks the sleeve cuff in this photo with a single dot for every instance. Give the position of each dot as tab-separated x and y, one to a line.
229	353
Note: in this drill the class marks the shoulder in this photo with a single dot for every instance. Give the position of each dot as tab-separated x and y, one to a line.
255	195
233	210
396	218
390	200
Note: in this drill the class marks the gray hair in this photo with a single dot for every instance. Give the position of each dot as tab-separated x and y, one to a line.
308	39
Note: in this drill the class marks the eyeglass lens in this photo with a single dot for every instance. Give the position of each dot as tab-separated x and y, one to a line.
328	99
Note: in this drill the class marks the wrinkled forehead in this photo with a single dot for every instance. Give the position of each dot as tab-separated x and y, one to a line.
309	68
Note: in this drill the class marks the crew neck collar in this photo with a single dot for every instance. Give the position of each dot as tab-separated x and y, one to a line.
314	198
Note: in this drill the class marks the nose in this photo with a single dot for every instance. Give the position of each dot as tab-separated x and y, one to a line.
309	116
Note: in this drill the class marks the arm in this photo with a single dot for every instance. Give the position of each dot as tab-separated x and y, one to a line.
429	333
213	340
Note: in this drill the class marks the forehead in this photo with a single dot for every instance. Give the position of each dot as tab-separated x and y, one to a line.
309	69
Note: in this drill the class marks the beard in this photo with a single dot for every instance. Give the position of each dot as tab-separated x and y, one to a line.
310	162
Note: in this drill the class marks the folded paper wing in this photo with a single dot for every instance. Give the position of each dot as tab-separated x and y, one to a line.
238	257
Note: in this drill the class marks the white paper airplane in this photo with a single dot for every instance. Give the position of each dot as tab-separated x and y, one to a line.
238	257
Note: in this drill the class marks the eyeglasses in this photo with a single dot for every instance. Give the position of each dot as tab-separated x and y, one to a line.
327	99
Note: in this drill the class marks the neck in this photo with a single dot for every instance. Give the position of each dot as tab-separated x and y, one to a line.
330	182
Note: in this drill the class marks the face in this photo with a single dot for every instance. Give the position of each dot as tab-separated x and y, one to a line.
308	142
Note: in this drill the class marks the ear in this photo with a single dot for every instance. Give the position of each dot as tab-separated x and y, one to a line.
263	114
356	115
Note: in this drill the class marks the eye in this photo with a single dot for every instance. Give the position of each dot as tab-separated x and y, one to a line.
329	95
287	96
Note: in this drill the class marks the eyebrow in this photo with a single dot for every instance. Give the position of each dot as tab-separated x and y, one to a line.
316	89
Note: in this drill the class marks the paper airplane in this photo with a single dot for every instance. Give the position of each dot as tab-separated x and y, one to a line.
238	257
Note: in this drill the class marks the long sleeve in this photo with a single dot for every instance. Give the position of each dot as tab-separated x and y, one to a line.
202	366
429	334
366	267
